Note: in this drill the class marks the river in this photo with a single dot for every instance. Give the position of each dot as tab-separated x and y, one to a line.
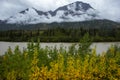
100	46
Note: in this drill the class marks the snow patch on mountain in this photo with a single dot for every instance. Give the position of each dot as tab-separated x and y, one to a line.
77	11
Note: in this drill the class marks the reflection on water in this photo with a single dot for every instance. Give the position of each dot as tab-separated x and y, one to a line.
100	47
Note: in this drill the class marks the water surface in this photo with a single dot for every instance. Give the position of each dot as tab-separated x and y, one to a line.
100	47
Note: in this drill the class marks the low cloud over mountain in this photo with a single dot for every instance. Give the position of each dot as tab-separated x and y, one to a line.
77	11
107	8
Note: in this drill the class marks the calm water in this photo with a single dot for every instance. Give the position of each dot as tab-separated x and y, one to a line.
100	47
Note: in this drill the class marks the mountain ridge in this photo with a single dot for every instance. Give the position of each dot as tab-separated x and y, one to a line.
92	24
77	11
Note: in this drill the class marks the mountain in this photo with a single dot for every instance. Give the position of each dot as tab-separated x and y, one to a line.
2	21
77	11
91	24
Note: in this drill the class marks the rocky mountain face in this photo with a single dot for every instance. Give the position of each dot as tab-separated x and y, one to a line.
74	12
3	21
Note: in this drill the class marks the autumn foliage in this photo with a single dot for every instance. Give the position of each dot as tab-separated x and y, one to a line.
36	63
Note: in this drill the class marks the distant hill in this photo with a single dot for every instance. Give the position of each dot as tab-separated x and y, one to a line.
99	24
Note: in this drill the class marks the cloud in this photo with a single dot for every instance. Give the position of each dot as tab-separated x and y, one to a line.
9	8
108	8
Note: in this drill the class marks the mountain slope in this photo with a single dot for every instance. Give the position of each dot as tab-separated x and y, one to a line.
77	11
92	24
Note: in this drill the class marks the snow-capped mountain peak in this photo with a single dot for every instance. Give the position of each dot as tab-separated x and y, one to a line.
79	6
77	11
25	16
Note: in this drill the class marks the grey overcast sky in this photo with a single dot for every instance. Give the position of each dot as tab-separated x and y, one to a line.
108	8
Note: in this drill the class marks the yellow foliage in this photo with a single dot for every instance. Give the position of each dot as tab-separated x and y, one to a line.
91	67
11	75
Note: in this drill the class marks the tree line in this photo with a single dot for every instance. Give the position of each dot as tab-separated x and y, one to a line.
59	34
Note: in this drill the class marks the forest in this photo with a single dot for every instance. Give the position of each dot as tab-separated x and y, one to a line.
99	30
82	63
61	35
